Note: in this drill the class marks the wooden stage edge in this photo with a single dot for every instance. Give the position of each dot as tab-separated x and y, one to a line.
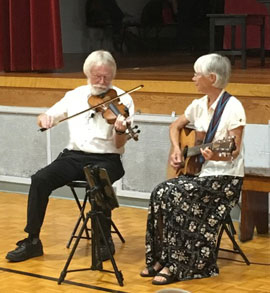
161	94
158	86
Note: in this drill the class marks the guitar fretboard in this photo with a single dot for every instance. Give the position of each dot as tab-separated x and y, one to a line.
193	151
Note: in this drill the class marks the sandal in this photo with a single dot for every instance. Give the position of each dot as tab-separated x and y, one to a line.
151	272
168	279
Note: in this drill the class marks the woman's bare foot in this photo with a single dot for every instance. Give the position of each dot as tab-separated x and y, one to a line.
164	277
161	279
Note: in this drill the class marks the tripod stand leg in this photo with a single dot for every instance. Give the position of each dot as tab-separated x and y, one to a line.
117	232
64	272
96	258
118	273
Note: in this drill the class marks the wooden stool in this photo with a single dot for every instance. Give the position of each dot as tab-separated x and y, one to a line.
233	20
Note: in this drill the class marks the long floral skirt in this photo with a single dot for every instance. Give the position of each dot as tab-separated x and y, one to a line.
184	218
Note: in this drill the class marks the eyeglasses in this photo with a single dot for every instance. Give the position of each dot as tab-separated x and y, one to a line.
106	78
197	74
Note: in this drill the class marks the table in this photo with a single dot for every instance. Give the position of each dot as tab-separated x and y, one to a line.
234	21
248	7
267	4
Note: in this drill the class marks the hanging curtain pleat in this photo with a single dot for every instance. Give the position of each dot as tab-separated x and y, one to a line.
4	35
32	34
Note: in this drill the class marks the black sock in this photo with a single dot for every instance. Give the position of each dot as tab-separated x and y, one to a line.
34	238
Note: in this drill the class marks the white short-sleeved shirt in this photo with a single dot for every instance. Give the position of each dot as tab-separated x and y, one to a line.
89	132
232	117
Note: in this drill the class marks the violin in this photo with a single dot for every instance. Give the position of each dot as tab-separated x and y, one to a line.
110	110
108	104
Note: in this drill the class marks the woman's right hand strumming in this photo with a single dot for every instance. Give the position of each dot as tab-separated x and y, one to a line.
176	159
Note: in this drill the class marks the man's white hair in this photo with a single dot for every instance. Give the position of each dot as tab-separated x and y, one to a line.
97	58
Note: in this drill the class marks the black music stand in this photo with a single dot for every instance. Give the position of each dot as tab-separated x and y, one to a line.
101	196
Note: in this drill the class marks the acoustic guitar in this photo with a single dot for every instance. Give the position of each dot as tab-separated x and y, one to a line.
190	152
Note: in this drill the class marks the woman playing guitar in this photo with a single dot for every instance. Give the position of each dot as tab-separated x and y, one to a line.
185	212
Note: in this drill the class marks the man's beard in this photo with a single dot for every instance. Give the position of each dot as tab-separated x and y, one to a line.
97	90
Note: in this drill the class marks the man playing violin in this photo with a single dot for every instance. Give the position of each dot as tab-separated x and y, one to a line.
92	141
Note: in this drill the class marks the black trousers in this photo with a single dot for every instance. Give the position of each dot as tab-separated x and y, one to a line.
66	168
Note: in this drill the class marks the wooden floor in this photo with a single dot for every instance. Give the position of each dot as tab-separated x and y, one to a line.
41	274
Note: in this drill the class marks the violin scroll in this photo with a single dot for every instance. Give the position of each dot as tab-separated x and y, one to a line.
133	134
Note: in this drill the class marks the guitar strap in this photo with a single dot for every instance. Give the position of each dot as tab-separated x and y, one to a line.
212	128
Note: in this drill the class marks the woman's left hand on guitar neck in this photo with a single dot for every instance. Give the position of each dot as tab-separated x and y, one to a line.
210	155
207	153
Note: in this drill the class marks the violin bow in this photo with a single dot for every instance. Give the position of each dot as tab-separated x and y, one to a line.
98	105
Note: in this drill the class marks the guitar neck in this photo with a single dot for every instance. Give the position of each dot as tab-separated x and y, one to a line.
193	151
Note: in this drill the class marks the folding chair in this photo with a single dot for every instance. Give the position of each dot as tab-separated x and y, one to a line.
228	227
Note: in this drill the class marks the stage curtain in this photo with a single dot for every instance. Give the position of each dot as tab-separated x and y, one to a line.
30	35
253	35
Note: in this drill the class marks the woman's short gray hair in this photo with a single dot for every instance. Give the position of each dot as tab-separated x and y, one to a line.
97	58
215	64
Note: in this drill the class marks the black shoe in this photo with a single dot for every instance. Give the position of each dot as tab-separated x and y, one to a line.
104	253
25	249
